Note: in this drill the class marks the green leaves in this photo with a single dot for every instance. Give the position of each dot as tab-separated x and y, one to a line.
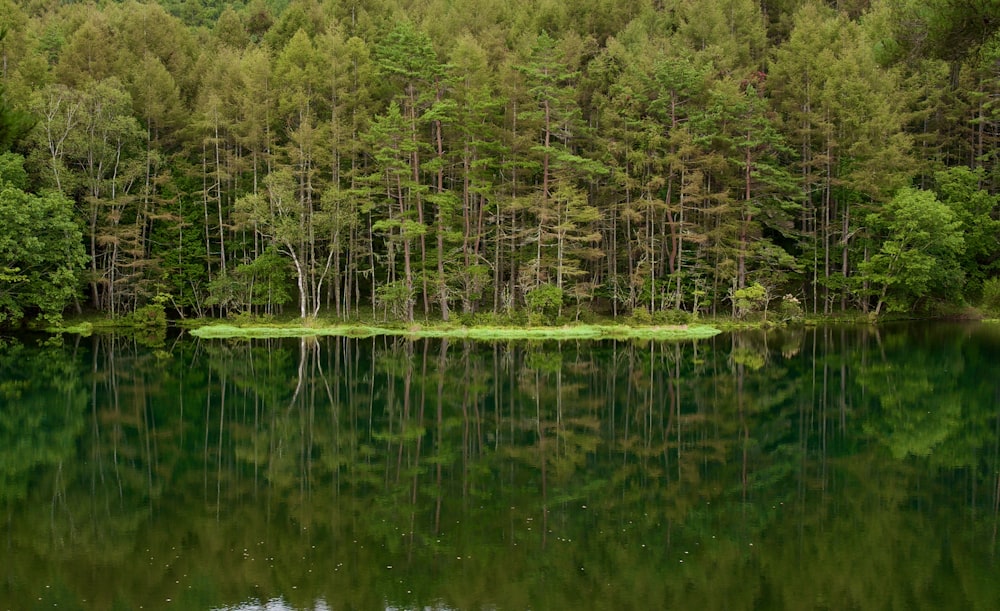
748	299
947	29
14	124
41	253
918	245
959	188
407	57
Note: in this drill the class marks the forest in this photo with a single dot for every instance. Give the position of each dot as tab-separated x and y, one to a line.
525	161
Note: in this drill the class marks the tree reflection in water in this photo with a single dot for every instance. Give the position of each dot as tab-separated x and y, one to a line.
795	469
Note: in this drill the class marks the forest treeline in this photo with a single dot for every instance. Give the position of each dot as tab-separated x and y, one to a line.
458	157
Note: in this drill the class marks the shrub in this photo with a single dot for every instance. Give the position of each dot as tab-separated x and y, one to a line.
991	295
544	302
640	316
151	316
790	309
673	317
748	299
394	298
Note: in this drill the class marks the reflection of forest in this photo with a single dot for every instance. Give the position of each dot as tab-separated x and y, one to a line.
804	469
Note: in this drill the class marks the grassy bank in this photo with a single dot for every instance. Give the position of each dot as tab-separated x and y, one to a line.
609	331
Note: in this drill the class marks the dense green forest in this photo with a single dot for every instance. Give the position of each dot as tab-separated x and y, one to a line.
448	158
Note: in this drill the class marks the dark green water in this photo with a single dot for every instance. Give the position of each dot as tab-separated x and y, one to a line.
813	469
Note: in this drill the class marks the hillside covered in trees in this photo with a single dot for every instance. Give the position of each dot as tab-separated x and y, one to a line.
454	157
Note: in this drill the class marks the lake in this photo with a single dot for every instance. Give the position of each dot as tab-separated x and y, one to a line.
821	468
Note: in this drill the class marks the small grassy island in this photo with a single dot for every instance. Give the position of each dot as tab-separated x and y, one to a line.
568	332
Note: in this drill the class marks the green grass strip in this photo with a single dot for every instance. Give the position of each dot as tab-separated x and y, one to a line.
84	328
682	332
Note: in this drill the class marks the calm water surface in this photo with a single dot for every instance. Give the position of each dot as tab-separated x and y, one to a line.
830	468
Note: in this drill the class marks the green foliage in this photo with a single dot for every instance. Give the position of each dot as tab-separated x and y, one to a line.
991	296
674	317
227	292
267	277
261	284
960	188
394	298
544	301
12	171
918	246
474	281
14	124
150	316
640	316
41	255
790	310
947	29
749	299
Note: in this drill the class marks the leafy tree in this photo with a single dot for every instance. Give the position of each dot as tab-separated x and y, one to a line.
729	33
406	58
843	113
918	243
975	209
749	299
41	251
304	16
91	52
299	80
544	301
347	94
231	30
261	285
477	149
389	134
12	171
556	118
567	227
279	216
762	190
14	124
949	29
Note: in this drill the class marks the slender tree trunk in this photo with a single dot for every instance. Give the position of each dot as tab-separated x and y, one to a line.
407	267
218	198
415	167
747	217
442	283
844	254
